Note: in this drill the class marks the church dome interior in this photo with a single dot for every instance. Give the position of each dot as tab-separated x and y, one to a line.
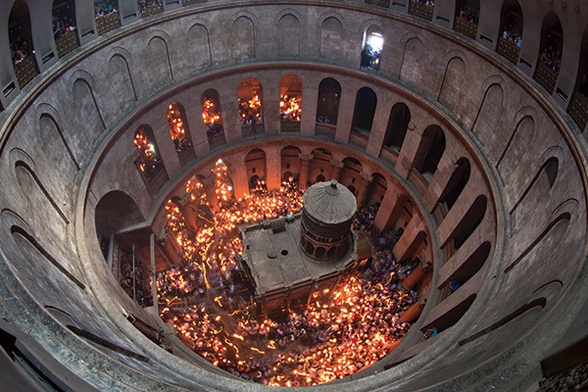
140	138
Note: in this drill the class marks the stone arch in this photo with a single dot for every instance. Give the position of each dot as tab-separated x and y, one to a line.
255	164
397	126
288	35
52	116
351	173
332	33
114	211
414	52
470	267
430	150
371	49
161	71
212	117
488	119
119	71
377	188
290	161
243	28
198	34
469	221
518	144
451	86
456	184
366	101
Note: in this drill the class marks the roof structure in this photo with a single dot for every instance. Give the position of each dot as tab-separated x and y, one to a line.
330	202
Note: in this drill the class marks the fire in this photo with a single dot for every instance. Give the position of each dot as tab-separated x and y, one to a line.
290	108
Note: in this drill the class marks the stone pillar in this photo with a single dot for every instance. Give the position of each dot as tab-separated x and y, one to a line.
414	234
209	188
364	186
305	160
273	168
345	117
389	209
309	107
188	212
416	276
195	124
336	167
153	272
410	148
412	313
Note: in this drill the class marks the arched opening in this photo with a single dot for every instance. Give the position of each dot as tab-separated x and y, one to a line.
320	166
107	15
351	174
255	165
21	43
430	151
250	107
549	61
511	31
115	210
329	97
578	107
422	8
377	189
179	131
363	116
371	49
457	182
470	221
397	126
467	13
320	252
550	169
64	26
290	103
211	116
148	162
468	268
290	157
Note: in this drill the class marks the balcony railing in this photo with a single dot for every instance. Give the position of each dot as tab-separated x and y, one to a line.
151	8
382	3
26	70
108	22
546	77
578	109
66	43
466	27
509	50
190	2
420	9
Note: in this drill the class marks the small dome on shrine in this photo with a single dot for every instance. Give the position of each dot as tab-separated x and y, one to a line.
330	202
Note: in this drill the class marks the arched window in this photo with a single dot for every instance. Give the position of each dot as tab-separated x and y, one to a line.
148	162
179	131
511	31
470	221
371	49
290	103
549	61
351	173
466	17
211	115
377	188
149	7
363	115
21	48
397	126
64	26
290	162
107	15
422	8
255	165
431	150
578	108
456	184
328	107
250	107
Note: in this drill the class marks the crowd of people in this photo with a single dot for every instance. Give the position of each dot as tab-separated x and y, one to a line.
209	301
551	57
512	35
104	8
468	15
19	46
63	25
429	3
146	5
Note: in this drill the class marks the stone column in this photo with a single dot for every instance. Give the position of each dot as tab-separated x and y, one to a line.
209	188
305	160
309	107
412	313
416	276
273	166
410	147
366	180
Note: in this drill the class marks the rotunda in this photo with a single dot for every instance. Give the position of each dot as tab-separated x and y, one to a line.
459	127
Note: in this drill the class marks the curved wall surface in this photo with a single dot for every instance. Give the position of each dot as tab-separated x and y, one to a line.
515	233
